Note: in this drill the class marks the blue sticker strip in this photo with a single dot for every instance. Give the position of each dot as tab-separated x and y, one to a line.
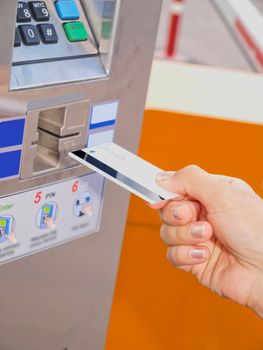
102	124
10	163
11	132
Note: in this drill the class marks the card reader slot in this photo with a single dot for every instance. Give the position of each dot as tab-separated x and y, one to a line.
51	133
59	137
51	150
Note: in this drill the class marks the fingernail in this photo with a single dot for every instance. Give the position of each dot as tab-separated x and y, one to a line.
197	231
178	212
198	253
164	176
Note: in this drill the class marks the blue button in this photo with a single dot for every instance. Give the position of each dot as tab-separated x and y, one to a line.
9	164
67	9
11	132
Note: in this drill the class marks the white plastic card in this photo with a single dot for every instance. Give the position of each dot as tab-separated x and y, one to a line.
125	169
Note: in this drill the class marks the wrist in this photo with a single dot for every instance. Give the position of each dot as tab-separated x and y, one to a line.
256	303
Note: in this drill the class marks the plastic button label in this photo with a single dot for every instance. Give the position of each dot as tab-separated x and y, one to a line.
76	31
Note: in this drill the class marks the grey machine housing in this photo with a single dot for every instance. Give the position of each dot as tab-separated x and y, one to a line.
60	298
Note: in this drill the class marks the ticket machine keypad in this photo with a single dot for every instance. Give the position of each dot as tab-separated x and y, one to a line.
61	23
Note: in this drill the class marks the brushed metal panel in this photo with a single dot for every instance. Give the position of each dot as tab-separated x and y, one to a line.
61	298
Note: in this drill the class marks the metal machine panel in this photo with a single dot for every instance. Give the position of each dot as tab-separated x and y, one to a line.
60	298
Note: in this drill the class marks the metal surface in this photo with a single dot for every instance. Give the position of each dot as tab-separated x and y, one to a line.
229	17
59	72
50	135
103	13
61	298
60	50
94	57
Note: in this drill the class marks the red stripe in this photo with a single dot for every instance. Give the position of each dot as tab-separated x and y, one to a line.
173	32
249	41
174	25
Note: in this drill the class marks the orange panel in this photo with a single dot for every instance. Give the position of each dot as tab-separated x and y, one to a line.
156	306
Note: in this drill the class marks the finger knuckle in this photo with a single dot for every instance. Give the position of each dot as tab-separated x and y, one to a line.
184	236
174	255
192	169
169	235
169	255
163	232
167	214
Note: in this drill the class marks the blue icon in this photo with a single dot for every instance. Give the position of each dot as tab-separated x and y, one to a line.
6	227
48	213
83	205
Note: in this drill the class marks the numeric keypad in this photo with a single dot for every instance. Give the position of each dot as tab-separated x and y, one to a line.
30	32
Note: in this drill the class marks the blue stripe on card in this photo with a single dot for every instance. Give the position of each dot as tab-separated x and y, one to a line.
102	124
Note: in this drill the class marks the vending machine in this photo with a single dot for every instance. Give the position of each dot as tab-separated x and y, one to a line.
73	73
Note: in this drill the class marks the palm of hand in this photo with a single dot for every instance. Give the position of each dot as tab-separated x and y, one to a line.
214	230
228	272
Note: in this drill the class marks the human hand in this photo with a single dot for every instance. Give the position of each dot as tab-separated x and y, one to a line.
50	222
11	237
215	231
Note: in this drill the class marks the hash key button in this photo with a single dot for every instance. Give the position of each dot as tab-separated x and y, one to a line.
29	34
39	10
48	33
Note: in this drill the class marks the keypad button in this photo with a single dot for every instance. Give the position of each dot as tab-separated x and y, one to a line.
23	12
67	9
39	10
29	34
17	39
75	31
48	33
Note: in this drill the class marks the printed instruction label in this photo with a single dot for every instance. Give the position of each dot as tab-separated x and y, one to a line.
41	218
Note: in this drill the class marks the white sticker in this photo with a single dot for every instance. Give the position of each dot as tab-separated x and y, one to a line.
100	138
104	112
41	218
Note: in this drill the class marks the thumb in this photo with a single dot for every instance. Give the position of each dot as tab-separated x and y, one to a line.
192	182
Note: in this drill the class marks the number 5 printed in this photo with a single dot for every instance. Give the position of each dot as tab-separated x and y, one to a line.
38	197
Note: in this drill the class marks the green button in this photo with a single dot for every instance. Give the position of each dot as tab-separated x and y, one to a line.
75	31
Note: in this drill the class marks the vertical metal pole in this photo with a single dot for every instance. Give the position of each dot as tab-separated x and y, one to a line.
176	8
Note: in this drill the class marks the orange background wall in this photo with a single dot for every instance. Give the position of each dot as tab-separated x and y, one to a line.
156	306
